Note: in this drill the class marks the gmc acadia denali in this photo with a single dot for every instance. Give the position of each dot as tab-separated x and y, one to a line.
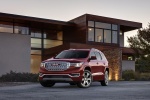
75	66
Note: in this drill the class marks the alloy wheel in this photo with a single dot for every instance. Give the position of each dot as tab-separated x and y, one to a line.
87	79
106	79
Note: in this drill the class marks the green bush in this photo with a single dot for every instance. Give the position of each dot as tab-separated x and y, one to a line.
145	77
19	77
128	75
143	65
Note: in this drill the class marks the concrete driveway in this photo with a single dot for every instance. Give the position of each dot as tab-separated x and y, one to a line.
122	90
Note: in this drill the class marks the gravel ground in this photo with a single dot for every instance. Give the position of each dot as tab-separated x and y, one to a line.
121	90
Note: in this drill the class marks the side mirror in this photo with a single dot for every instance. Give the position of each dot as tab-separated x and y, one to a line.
93	58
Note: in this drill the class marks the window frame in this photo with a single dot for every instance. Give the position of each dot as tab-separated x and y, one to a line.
103	29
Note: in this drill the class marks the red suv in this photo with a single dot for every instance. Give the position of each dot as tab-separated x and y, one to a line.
76	66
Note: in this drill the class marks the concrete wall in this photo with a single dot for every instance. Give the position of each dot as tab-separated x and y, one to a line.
128	65
14	53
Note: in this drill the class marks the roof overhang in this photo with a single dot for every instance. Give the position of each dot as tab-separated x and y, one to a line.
124	24
33	21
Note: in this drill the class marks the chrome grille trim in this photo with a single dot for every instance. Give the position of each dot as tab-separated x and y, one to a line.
57	66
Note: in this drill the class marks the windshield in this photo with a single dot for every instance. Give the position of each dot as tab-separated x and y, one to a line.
72	54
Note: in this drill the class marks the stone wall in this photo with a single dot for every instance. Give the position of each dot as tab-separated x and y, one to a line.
114	57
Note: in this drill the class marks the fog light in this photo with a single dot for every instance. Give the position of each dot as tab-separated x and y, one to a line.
75	74
40	74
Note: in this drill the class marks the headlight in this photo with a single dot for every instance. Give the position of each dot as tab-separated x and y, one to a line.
42	64
76	64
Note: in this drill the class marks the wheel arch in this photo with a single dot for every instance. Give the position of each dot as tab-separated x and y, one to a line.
87	68
107	69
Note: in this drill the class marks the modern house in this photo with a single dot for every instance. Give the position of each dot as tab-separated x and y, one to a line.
26	41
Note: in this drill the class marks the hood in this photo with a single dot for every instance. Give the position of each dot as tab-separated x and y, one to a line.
67	60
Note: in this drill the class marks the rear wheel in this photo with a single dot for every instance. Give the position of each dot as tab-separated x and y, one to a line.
86	80
47	83
106	79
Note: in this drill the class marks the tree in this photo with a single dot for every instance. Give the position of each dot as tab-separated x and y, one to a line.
141	44
141	41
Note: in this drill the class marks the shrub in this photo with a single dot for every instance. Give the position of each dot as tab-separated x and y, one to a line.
19	77
145	76
128	75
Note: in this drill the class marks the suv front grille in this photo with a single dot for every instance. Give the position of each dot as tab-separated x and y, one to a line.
57	66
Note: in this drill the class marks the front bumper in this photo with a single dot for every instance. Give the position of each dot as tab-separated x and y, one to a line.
70	75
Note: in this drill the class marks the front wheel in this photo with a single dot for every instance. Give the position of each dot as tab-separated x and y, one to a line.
106	79
47	83
86	80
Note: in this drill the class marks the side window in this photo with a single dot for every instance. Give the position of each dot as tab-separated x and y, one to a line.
103	56
98	56
92	54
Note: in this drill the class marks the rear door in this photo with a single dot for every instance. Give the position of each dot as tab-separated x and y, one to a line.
93	64
99	73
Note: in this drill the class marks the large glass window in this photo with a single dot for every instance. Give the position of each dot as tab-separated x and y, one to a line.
35	63
114	27
102	25
102	32
98	35
36	43
35	33
51	43
91	23
107	36
36	38
21	30
91	34
114	37
53	38
6	27
59	35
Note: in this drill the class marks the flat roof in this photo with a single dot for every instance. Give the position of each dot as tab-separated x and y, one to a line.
125	25
34	21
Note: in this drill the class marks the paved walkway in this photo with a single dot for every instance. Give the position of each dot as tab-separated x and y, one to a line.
133	90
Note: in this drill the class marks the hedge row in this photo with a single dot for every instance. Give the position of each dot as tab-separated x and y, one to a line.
29	77
19	77
131	75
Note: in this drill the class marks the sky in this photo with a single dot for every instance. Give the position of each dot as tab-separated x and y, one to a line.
64	10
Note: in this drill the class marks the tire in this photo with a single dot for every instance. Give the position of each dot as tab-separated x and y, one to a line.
106	79
47	83
86	80
72	83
